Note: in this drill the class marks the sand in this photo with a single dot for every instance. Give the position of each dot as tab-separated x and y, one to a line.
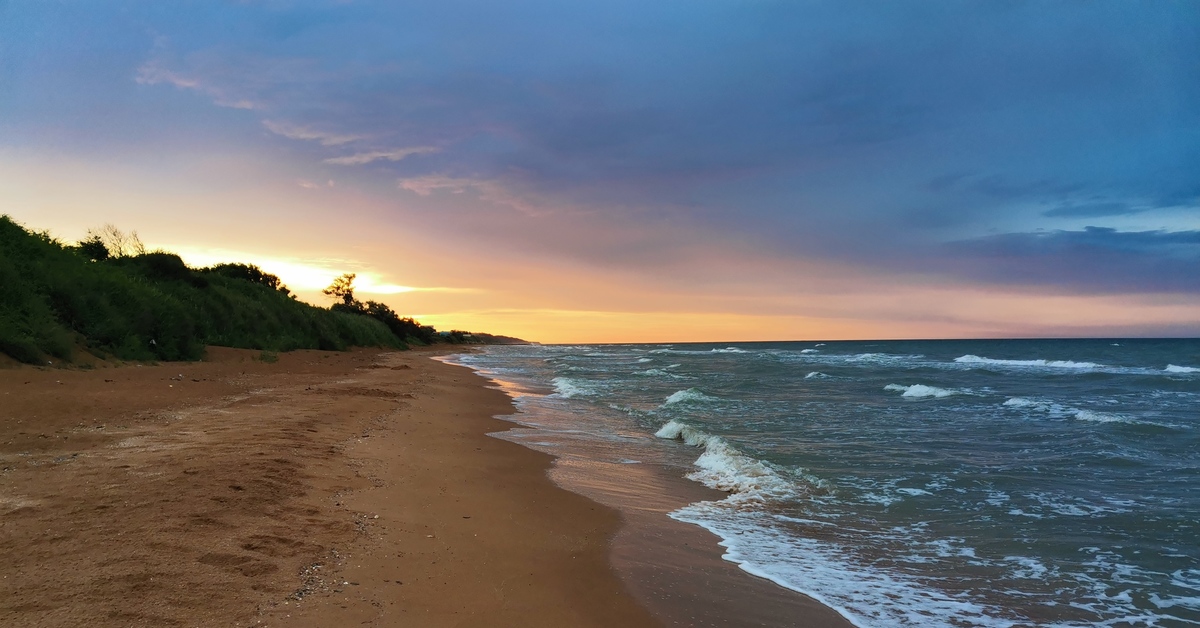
324	489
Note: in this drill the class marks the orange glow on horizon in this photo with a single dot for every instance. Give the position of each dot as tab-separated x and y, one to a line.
715	291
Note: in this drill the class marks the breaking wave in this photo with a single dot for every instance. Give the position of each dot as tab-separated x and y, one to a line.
1060	411
691	395
724	468
567	387
921	391
1058	364
1171	368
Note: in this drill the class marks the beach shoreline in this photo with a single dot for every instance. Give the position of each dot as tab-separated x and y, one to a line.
321	489
675	569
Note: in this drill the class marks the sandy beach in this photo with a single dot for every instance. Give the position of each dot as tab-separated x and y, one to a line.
322	489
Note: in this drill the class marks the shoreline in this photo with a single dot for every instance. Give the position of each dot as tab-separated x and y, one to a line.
324	489
675	569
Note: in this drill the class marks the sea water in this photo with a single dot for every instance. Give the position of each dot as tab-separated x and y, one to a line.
908	483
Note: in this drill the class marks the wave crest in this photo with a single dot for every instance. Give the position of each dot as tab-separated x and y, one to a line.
567	387
690	395
921	391
1059	364
1171	368
724	468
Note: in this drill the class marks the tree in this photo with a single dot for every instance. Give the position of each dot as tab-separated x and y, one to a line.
249	272
116	242
93	248
342	288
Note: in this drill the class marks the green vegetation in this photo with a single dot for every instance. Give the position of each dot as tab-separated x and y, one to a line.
110	297
342	289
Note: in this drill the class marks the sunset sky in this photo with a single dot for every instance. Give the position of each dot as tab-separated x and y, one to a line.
612	170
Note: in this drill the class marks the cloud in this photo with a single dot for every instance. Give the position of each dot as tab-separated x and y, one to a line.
1094	259
1093	210
154	73
488	190
428	184
358	159
324	138
870	134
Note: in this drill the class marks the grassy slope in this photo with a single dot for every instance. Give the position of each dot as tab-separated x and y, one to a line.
53	299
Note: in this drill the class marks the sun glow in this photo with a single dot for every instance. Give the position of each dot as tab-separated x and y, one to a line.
298	275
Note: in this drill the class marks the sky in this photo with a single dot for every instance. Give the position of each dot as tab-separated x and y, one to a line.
618	171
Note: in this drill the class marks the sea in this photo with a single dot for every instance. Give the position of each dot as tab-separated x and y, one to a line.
904	483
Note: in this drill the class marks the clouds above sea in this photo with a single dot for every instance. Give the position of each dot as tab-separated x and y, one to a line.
993	143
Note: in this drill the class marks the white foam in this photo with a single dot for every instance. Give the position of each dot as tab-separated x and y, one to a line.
829	573
730	350
921	391
1056	410
809	351
1026	568
1171	368
659	373
567	387
1102	417
724	468
1058	364
884	358
643	360
1021	402
816	375
691	395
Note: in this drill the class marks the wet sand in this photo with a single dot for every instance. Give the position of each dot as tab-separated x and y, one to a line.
325	489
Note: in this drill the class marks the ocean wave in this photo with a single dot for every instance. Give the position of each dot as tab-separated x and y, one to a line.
1060	411
724	468
816	375
690	395
1058	364
810	351
921	391
669	350
1106	417
659	373
883	358
1171	368
567	387
827	572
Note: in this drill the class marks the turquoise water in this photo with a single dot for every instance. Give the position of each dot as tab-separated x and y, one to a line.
910	483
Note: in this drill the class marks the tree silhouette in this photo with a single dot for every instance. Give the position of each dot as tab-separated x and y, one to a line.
117	242
93	248
342	288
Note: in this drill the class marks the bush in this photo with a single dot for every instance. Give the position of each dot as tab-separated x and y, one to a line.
151	306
